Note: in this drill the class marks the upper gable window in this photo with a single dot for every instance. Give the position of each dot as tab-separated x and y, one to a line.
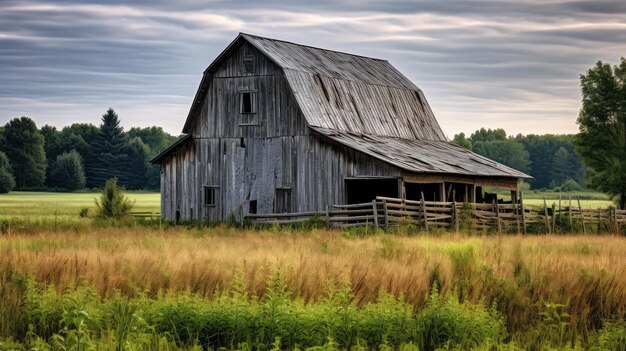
247	64
248	107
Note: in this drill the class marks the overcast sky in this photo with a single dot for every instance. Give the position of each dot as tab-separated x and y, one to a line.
512	65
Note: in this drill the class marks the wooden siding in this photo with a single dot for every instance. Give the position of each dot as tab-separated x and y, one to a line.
277	110
291	146
314	170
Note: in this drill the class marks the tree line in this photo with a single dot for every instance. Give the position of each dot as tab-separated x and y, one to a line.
595	157
552	160
79	156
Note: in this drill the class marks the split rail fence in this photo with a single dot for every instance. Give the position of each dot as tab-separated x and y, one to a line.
499	217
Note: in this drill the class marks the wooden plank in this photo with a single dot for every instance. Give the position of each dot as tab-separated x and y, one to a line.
375	212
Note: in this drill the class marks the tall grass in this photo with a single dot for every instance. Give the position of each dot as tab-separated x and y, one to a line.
522	278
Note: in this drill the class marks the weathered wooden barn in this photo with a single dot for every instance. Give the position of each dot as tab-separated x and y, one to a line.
281	127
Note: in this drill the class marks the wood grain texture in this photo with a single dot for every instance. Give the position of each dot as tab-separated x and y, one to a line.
321	117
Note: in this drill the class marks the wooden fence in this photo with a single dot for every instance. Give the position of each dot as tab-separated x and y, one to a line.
496	216
146	214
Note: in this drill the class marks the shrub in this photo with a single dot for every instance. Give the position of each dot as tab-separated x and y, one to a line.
67	172
7	182
571	185
113	203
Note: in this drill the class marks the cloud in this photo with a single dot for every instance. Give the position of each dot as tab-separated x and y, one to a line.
506	64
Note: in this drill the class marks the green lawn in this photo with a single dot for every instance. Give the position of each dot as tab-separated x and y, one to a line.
47	204
588	199
24	203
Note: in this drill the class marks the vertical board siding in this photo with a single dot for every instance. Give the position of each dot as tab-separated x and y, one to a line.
250	162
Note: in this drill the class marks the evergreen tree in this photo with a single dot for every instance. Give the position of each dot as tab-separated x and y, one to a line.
137	165
560	166
602	123
24	146
67	172
157	140
113	203
108	156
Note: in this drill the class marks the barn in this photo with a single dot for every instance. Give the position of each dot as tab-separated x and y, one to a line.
281	127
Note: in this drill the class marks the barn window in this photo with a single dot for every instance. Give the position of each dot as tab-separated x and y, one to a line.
248	108
210	195
283	200
247	64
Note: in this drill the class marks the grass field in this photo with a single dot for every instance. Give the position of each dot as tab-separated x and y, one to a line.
588	199
69	283
48	204
225	287
23	203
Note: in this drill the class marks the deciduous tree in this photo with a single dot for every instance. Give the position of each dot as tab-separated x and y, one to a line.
24	146
602	123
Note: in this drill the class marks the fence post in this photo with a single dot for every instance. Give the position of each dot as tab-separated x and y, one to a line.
521	204
423	211
545	215
569	214
582	215
386	214
455	216
495	208
327	218
553	217
375	209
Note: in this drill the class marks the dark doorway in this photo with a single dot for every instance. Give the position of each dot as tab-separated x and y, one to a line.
459	192
432	191
365	190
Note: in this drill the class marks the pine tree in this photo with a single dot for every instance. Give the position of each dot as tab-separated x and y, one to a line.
113	203
108	156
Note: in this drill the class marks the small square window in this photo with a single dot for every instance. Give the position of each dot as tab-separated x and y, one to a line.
247	65
210	195
283	200
252	207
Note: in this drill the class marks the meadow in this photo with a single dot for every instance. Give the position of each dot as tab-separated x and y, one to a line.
73	283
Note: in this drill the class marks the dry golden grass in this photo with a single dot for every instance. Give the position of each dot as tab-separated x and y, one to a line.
205	261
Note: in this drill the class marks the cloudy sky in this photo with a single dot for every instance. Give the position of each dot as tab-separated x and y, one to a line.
512	65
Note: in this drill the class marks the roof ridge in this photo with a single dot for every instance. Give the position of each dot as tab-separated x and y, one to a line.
312	47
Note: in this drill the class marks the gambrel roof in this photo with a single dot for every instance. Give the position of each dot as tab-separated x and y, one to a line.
341	91
363	103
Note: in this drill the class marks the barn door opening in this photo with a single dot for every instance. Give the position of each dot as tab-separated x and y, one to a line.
460	192
366	189
431	191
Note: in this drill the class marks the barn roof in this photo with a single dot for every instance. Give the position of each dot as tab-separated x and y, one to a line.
422	156
341	91
364	103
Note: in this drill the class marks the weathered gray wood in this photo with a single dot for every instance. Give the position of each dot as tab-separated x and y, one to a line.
545	215
582	217
319	118
521	203
497	211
